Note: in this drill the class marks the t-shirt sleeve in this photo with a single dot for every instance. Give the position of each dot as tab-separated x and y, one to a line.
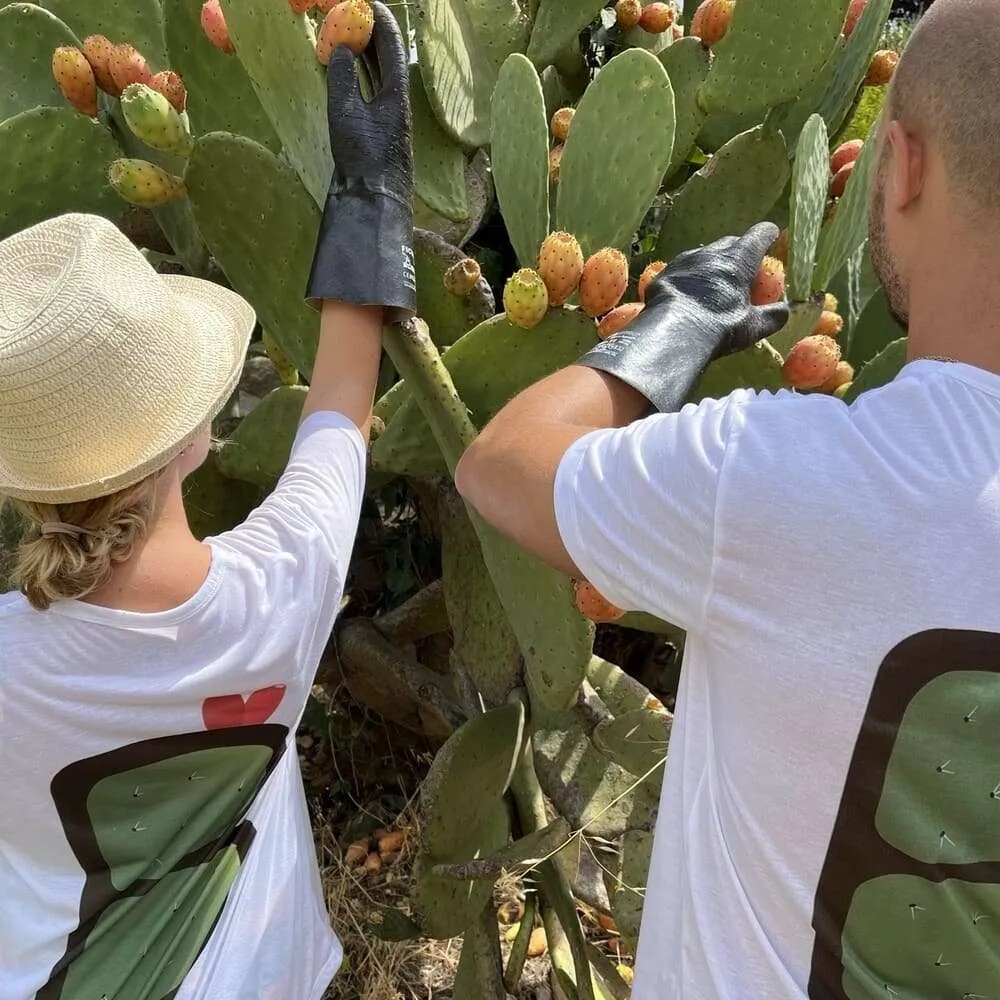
636	508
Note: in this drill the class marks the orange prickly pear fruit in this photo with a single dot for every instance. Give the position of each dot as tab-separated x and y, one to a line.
882	68
604	280
657	18
843	374
560	265
593	605
711	21
619	318
769	285
75	77
98	51
811	362
349	23
213	23
127	66
555	162
172	87
627	13
840	179
561	122
854	12
649	274
846	152
829	324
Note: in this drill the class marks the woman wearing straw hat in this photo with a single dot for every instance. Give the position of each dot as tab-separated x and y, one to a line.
154	838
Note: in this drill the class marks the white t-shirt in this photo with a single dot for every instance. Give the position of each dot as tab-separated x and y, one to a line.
829	825
154	835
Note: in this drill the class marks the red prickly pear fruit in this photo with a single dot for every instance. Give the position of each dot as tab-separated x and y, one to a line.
779	248
811	362
301	6
98	51
882	68
829	324
846	152
560	265
843	374
213	23
830	303
854	12
143	183
593	605
555	162
650	272
128	66
462	277
75	77
769	285
840	179
525	298
349	23
561	122
627	13
604	280
711	21
168	83
618	319
657	18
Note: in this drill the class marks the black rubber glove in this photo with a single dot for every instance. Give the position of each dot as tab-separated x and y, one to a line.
697	309
364	252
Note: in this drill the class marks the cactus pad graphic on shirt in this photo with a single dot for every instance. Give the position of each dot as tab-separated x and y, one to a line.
908	902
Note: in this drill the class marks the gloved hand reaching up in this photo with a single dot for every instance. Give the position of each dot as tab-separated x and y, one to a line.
697	309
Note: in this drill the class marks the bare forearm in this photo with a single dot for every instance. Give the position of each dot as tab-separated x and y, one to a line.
347	362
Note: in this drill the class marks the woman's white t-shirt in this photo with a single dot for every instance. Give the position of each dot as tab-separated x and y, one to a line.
154	836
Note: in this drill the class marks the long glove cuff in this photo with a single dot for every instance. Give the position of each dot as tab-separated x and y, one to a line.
364	253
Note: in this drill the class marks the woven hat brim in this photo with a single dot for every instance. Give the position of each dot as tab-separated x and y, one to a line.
223	323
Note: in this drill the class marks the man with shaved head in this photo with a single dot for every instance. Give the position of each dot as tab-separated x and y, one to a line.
829	825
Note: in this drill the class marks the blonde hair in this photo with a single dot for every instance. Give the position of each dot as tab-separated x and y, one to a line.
59	567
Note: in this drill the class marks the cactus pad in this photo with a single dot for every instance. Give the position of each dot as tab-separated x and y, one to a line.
758	367
277	50
874	330
54	160
28	37
810	185
215	503
618	690
881	370
259	448
261	225
557	24
520	156
636	740
802	320
617	152
501	26
734	190
479	188
630	883
686	63
138	22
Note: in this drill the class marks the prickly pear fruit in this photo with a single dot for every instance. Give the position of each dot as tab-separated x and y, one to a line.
555	161
213	23
462	277
779	248
154	120
829	324
560	264
168	83
604	280
143	183
75	77
846	152
525	299
657	17
98	51
711	21
769	285
593	605
854	12
840	179
651	271
561	122
830	303
841	391
127	66
618	319
882	67
627	13
349	23
811	362
843	374
301	6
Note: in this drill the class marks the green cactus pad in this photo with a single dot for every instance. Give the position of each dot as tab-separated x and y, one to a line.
479	188
618	690
261	225
527	852
802	320
215	503
636	741
520	155
389	924
734	190
617	152
874	331
138	22
718	129
438	161
28	37
557	92
489	365
259	448
906	936
810	186
630	884
557	24
853	64
792	117
456	71
479	975
278	52
501	26
221	97
686	63
771	52
849	228
484	642
758	367
448	316
881	370
55	160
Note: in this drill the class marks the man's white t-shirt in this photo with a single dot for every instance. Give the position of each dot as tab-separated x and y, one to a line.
154	835
829	825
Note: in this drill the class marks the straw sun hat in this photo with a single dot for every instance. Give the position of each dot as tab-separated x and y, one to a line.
107	368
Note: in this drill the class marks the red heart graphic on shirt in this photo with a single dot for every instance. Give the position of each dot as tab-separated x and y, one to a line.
229	710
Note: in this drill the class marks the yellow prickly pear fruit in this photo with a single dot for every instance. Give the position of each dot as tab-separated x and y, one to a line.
619	318
811	362
560	265
830	303
537	943
779	249
604	280
555	162
98	51
349	23
75	77
843	374
525	298
561	122
143	183
829	324
462	277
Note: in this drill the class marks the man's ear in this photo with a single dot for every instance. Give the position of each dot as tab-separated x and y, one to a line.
907	166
